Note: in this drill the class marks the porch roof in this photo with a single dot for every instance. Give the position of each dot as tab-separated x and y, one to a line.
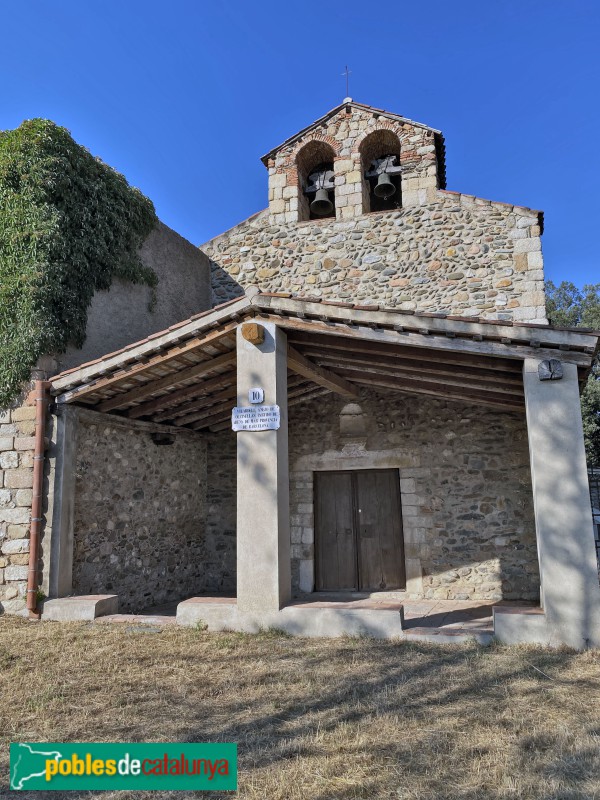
186	376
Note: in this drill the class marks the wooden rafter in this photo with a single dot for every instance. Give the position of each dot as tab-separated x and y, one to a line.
137	369
199	412
433	342
514	390
393	361
195	408
220	415
449	393
331	344
172	379
308	393
179	396
220	405
322	377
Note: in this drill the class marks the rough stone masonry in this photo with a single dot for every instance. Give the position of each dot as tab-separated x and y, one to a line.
465	487
441	252
17	445
148	530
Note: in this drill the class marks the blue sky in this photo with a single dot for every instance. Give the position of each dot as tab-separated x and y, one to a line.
184	96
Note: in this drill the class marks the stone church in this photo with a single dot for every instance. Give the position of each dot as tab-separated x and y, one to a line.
364	411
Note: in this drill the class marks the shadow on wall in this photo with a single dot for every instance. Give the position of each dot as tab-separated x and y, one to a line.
466	487
472	493
221	512
139	516
224	286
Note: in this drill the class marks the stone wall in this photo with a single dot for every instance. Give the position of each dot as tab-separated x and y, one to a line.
139	520
124	313
17	446
221	513
465	486
457	255
351	137
440	252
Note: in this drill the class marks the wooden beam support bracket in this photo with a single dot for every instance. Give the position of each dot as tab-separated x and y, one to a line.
323	377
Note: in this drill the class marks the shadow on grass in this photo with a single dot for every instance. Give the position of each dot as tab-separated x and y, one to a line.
359	718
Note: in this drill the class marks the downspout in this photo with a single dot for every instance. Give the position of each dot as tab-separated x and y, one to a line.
41	393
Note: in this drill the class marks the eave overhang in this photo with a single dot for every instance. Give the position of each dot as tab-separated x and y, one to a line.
186	375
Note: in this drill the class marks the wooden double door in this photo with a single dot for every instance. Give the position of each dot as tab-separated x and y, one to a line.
358	531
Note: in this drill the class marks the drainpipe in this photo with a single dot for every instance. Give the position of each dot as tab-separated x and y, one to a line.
41	396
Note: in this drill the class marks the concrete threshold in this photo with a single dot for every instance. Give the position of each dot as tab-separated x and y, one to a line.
379	615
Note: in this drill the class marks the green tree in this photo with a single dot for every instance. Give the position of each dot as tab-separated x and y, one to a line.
571	307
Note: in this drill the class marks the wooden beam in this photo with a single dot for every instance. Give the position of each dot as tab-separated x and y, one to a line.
450	393
220	427
219	416
201	411
382	336
177	397
319	354
174	378
225	408
308	393
210	412
441	381
322	377
305	397
197	404
253	332
435	326
138	368
400	350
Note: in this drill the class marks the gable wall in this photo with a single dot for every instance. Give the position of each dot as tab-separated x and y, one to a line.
457	255
345	135
440	252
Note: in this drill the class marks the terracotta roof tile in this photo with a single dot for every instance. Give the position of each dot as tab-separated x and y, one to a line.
323	304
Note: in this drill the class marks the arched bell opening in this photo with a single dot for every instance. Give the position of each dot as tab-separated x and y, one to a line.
380	161
316	190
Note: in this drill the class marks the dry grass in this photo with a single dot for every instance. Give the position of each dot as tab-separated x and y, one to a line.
314	719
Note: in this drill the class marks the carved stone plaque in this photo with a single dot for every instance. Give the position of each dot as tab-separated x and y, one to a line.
550	370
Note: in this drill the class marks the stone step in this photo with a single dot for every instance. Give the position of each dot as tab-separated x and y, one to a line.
82	607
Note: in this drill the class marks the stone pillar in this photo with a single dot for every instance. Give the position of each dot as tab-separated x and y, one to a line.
263	527
57	541
570	592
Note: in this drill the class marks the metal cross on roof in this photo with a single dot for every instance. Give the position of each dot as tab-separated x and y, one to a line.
347	72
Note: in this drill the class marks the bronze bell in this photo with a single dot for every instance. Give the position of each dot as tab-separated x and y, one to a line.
385	188
321	205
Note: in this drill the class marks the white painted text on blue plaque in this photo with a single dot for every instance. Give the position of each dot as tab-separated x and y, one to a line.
255	418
